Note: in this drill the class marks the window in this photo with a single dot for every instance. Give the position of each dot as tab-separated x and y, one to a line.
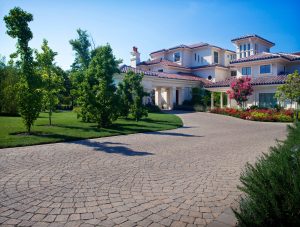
241	48
209	77
202	60
267	100
244	47
233	73
160	70
246	71
248	46
241	55
176	56
265	69
244	54
195	57
198	58
216	57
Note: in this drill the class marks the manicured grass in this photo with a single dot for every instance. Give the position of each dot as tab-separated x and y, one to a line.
67	127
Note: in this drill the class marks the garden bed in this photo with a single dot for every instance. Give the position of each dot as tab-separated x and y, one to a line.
270	115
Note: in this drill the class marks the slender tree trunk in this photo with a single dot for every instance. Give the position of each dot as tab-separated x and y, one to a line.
50	114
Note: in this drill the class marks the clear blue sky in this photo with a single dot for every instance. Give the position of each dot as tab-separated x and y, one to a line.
155	24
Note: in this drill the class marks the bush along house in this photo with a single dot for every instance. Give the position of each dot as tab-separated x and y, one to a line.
171	73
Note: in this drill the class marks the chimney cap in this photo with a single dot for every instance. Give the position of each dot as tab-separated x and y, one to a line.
135	49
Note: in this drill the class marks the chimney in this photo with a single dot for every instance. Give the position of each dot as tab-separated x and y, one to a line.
135	57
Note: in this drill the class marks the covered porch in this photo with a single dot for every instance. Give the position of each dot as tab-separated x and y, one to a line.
167	97
222	98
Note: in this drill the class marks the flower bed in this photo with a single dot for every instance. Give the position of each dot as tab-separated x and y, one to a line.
272	115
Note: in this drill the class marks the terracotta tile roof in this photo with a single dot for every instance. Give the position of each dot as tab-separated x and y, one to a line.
192	46
252	36
162	62
262	80
266	55
208	66
178	76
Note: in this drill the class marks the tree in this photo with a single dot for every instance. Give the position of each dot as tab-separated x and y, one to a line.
290	90
29	92
9	78
131	93
241	88
52	83
99	95
82	48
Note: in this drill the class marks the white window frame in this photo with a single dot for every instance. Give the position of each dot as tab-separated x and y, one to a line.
246	71
265	73
175	55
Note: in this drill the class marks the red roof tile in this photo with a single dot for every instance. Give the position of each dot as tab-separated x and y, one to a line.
180	76
265	56
162	62
262	80
252	36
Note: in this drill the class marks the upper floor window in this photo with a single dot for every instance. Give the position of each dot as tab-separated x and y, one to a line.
195	57
244	47
246	71
176	56
265	69
233	73
202	60
216	57
248	46
241	48
160	70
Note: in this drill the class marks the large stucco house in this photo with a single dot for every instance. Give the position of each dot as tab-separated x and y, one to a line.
171	73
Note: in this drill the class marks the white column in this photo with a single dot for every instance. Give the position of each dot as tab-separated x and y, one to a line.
212	100
158	97
221	100
228	101
181	96
172	97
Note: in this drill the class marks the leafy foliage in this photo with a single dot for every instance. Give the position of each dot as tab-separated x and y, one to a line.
82	48
131	93
9	77
99	99
52	83
272	185
290	90
29	92
241	88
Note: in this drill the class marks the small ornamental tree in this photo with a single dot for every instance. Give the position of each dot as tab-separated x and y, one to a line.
290	90
29	92
52	83
131	93
99	94
241	88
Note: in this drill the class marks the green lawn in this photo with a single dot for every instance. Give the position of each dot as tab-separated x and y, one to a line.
67	127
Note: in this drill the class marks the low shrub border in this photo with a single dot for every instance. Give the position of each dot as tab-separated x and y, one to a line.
272	186
272	115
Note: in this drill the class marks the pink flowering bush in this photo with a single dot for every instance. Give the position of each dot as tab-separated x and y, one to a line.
241	88
272	115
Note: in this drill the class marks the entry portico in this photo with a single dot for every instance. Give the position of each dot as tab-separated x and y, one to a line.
165	89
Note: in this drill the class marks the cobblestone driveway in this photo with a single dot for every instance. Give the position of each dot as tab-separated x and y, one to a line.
179	177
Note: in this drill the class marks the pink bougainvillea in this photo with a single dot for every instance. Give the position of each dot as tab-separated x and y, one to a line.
241	88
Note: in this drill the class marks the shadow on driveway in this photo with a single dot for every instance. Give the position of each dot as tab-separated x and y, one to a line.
111	148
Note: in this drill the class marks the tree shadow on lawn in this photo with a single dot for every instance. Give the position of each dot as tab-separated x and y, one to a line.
106	147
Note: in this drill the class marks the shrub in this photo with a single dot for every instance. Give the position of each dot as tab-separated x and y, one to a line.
258	114
271	186
153	108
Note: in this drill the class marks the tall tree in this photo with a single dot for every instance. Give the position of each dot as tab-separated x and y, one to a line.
131	93
29	92
100	99
290	90
52	83
82	48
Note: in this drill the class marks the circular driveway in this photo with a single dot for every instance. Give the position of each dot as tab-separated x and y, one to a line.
180	177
